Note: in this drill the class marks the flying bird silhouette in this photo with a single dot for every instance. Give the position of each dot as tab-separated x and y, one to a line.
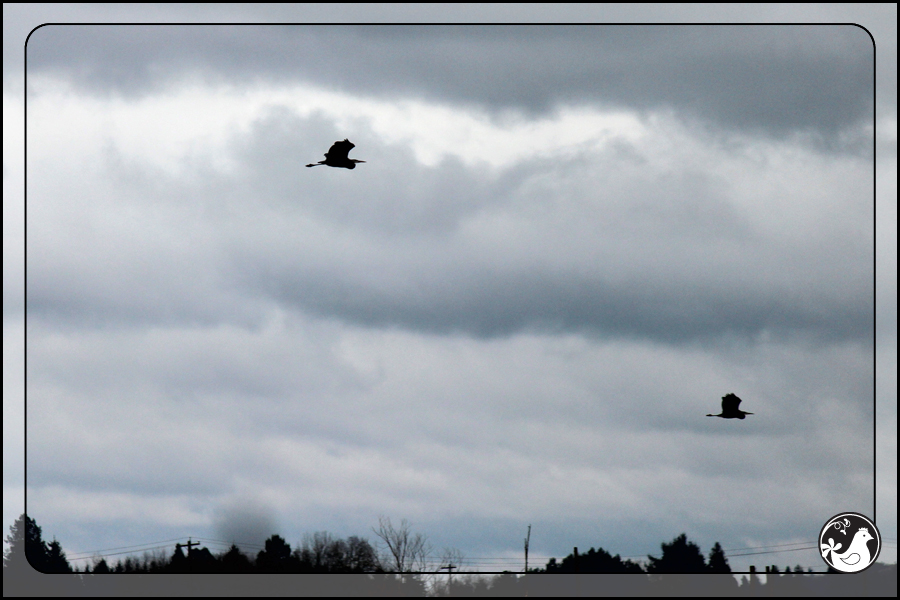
730	409
337	156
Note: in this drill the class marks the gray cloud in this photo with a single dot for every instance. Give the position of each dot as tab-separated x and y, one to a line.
659	256
770	78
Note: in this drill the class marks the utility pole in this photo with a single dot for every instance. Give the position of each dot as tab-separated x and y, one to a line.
449	567
527	539
189	544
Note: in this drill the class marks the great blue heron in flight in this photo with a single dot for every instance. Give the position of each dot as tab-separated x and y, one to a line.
730	409
337	156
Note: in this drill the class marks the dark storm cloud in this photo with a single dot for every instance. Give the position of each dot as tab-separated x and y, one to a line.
665	257
774	78
487	303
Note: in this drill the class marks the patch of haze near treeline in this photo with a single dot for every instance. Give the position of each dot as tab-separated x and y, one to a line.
245	522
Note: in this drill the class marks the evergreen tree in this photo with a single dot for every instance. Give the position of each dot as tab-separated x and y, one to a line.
276	558
131	565
101	567
593	561
56	559
27	551
203	561
679	556
234	561
722	583
717	561
179	562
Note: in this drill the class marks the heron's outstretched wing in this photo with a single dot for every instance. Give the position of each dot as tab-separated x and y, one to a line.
340	150
730	403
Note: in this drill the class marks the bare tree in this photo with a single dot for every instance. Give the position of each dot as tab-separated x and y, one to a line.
451	562
406	552
315	550
323	553
361	556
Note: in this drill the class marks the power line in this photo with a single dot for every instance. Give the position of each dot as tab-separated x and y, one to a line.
752	548
238	544
776	551
116	553
475	562
765	546
155	546
123	547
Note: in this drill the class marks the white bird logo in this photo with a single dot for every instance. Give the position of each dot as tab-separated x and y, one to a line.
853	559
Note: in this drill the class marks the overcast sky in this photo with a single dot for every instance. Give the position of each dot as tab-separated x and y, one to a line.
566	244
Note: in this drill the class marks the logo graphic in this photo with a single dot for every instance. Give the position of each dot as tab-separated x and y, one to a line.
849	542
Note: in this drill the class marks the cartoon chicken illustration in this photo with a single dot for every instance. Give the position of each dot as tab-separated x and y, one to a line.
853	559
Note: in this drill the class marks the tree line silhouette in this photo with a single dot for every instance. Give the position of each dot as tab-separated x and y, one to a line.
319	553
400	568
